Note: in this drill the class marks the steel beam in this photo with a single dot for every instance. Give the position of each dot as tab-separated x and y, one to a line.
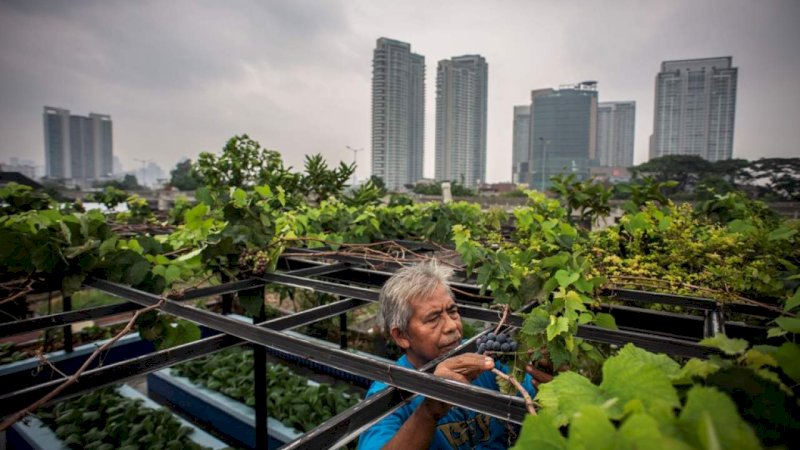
471	397
64	318
478	399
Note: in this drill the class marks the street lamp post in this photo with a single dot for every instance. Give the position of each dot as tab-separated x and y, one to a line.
355	154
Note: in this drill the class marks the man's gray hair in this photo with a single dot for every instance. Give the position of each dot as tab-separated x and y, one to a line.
405	285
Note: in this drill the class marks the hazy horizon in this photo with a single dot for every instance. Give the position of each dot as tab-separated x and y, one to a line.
182	77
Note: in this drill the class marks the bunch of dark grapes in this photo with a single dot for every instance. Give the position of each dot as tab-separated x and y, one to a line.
500	342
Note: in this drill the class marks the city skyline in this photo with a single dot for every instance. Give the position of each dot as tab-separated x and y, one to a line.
296	76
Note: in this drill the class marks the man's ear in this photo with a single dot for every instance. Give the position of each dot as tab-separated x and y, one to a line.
400	338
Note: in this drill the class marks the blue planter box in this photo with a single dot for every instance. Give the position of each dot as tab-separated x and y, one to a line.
230	418
26	373
35	436
315	366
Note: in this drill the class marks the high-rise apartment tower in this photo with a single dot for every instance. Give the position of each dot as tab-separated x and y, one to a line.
461	100
77	147
398	113
615	128
695	108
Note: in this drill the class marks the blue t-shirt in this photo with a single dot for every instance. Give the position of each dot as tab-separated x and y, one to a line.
459	429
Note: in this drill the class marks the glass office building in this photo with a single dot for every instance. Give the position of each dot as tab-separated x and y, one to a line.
563	132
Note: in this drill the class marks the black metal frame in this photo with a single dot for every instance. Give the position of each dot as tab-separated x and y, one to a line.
652	330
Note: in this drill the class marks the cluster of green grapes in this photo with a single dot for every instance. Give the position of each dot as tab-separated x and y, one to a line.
500	342
254	260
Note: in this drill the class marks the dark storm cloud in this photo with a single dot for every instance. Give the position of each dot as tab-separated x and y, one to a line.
179	77
173	45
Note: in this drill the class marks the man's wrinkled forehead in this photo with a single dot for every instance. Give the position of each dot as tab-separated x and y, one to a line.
436	300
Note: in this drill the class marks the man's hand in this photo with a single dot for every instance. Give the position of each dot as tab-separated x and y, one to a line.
462	368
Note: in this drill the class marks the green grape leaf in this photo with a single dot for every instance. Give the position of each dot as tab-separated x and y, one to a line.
566	394
708	433
558	260
781	233
559	354
790	324
694	368
252	302
710	416
72	283
776	332
642	431
638	222
741	226
536	322
239	197
591	429
636	373
195	214
181	332
726	344
788	357
172	273
565	278
539	432
584	285
755	359
636	355
605	320
573	301
793	301
557	326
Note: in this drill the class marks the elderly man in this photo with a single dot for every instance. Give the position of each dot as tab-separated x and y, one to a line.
417	308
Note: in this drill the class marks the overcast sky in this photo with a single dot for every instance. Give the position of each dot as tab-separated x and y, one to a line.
181	77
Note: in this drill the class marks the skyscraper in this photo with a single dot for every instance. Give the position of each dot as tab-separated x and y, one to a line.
521	140
695	108
77	147
461	95
563	131
398	113
615	128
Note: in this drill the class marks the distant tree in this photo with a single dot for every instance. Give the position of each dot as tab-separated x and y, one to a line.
734	171
686	170
319	182
777	178
428	189
378	182
182	177
459	190
110	197
128	183
244	163
456	188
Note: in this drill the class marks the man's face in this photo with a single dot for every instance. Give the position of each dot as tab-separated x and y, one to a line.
434	328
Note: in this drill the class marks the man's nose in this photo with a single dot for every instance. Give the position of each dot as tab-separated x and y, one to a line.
450	324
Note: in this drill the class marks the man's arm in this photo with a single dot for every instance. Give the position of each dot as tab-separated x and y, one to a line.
417	431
